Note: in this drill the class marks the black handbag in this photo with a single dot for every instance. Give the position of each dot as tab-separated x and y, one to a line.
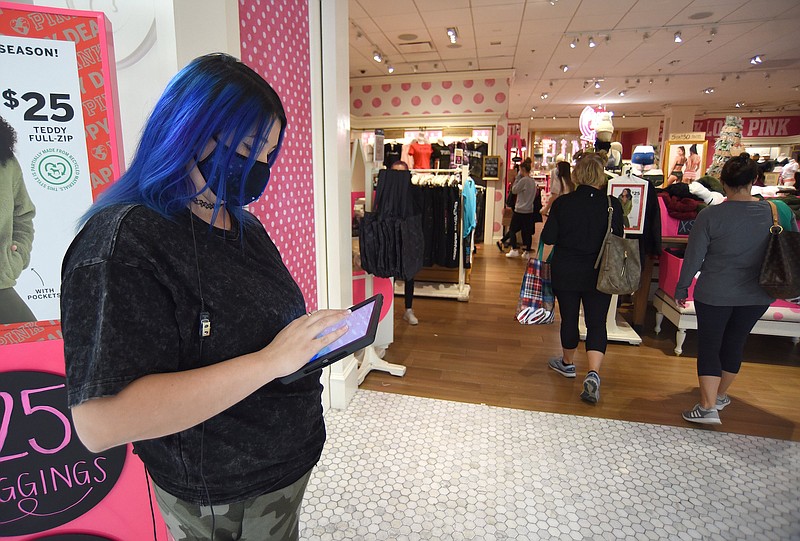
780	271
620	267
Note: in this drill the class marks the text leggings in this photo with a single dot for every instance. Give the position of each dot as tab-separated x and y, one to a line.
721	334
595	310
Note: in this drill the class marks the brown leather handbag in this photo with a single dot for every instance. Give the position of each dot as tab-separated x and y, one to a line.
780	271
620	267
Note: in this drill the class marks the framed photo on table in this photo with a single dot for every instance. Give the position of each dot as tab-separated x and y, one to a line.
632	194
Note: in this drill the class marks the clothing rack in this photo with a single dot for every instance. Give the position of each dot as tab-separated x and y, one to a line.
459	290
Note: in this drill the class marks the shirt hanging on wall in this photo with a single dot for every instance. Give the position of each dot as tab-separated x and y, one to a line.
442	154
421	152
391	153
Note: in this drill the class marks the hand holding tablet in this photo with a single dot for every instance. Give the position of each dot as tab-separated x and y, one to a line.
362	325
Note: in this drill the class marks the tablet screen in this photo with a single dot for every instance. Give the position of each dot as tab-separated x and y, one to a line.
358	324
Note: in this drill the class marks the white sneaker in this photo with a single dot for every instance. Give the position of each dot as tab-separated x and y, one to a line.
513	253
526	255
410	317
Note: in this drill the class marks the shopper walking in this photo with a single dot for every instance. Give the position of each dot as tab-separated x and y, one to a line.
576	228
727	245
526	213
179	316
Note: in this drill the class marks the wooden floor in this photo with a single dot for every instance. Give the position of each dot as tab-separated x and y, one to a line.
477	352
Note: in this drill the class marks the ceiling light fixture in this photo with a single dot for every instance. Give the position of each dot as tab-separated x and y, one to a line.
544	95
416	68
564	68
377	57
757	59
709	90
452	33
645	36
713	32
554	117
739	104
592	44
677	37
597	84
723	77
621	93
553	2
533	109
650	81
573	43
390	68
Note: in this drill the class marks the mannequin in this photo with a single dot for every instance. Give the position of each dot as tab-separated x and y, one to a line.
421	151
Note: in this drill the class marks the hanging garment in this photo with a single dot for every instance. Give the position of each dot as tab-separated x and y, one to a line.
391	153
440	159
470	204
421	152
391	238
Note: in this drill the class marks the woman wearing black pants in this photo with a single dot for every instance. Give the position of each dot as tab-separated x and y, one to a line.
576	226
727	245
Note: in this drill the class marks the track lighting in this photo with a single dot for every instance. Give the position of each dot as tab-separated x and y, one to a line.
564	68
677	37
739	104
544	95
645	36
533	109
573	43
650	81
377	57
757	59
554	117
415	68
390	68
597	84
592	44
713	32
452	34
709	90
621	93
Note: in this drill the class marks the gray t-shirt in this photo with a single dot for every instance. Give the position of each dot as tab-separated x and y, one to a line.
727	245
525	188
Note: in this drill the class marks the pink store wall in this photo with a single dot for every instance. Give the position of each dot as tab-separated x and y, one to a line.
429	98
275	43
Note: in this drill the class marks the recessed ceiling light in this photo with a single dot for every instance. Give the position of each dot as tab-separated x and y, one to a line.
452	33
592	44
554	117
677	37
650	81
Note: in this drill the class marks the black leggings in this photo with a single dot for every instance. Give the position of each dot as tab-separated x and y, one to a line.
595	310
409	293
721	334
520	222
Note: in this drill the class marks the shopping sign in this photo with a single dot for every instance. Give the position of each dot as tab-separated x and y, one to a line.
48	477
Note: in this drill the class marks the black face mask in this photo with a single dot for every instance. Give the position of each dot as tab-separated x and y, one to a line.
254	184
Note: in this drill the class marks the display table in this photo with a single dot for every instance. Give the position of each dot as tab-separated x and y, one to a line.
781	319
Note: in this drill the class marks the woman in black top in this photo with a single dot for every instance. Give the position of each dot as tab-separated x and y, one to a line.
576	227
179	315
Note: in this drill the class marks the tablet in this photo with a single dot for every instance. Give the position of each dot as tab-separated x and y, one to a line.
362	325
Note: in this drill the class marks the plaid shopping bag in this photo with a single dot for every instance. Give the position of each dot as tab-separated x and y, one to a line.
536	304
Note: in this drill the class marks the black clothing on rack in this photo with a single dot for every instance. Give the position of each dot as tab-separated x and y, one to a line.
441	211
442	154
391	153
390	237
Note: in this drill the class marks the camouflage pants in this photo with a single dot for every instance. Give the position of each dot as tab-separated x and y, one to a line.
272	516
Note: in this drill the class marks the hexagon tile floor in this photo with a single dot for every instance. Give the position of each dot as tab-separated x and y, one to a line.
405	468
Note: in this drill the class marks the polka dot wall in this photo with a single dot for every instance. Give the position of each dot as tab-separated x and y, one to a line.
274	42
430	98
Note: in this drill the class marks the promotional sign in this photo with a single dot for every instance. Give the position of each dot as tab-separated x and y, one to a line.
40	103
632	194
684	160
58	93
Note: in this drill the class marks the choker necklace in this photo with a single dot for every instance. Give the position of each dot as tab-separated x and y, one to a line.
202	203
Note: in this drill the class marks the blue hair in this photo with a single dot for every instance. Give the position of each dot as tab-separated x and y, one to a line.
214	97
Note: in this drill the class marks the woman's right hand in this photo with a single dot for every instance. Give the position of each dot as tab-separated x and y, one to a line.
299	341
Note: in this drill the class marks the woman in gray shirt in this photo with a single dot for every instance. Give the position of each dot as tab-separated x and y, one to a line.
727	244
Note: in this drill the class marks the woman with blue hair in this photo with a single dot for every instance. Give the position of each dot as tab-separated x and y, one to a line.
179	316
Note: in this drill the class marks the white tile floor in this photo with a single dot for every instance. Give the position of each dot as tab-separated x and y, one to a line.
404	468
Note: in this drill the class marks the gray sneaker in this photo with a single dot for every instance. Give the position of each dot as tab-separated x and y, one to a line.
701	416
566	370
591	388
722	401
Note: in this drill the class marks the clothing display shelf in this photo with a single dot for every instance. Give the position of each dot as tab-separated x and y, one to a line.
371	357
460	289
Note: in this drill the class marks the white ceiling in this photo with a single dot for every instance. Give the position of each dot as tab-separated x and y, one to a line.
532	38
